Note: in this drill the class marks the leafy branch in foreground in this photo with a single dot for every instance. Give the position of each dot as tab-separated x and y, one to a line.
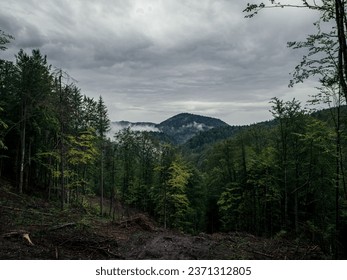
327	50
254	9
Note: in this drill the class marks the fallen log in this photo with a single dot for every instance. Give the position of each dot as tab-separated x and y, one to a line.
19	233
61	226
26	210
260	253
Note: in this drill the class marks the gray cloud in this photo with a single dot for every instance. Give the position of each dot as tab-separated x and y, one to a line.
152	59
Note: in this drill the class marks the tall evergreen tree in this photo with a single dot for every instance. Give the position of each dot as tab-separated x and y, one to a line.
34	84
4	40
103	126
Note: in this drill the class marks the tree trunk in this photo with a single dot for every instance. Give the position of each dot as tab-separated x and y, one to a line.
342	58
22	152
337	179
165	210
112	198
284	166
62	186
62	167
102	179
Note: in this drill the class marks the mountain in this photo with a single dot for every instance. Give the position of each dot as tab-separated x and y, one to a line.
177	129
183	127
184	119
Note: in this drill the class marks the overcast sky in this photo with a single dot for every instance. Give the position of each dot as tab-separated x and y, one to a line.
152	59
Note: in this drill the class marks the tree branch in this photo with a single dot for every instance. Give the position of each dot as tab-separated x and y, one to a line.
253	9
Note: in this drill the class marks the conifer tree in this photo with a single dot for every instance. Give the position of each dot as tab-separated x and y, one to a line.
103	126
34	84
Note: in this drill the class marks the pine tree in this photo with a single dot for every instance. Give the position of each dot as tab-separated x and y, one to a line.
34	84
103	125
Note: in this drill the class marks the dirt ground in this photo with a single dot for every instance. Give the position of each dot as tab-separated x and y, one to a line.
35	229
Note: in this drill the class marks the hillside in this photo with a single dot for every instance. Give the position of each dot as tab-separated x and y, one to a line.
203	139
32	228
183	127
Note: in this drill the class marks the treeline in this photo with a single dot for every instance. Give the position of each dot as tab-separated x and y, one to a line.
284	179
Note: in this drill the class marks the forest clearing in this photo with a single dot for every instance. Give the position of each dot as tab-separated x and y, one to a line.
77	234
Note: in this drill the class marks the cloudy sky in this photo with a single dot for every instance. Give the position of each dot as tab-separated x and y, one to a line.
152	59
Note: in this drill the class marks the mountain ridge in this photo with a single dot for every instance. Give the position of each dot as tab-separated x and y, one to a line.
179	128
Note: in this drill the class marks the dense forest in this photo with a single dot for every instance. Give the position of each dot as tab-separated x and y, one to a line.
285	177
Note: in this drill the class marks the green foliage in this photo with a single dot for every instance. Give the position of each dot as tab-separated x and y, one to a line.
82	149
229	204
103	122
320	59
175	203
